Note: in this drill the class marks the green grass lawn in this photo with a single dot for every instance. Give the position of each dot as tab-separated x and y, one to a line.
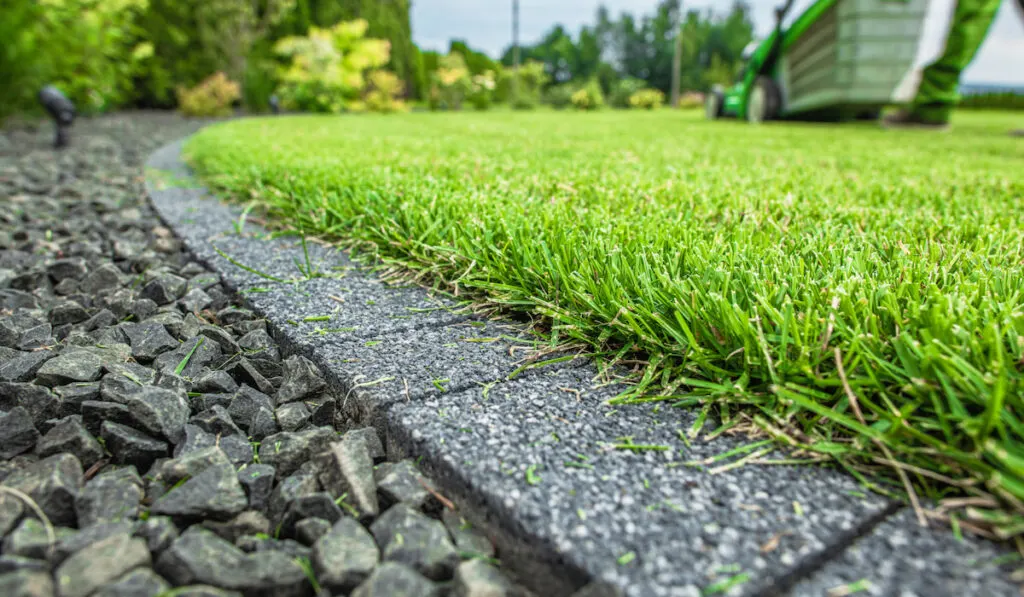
738	264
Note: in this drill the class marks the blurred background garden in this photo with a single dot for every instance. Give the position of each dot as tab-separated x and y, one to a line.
213	57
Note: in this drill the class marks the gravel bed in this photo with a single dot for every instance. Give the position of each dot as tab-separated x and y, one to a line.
152	433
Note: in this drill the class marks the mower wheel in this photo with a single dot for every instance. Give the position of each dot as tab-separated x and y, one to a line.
714	104
765	100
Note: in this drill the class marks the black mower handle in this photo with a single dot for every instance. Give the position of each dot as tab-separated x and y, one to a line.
782	11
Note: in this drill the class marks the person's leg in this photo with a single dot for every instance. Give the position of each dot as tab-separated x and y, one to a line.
940	81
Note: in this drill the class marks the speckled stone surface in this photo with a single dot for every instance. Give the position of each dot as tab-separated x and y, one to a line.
542	462
902	559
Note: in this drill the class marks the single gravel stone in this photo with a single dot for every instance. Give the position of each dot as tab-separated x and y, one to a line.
17	299
259	344
30	540
345	556
346	468
373	444
105	277
216	420
53	484
70	436
165	289
97	412
110	497
308	530
99	564
258	482
142	308
11	511
264	423
467	539
132	447
72	366
40	402
316	505
409	537
213	493
249	522
24	367
292	416
391	579
160	412
141	582
195	300
150	340
401	482
292	487
205	401
72	396
233	315
26	583
102	319
223	339
215	382
476	578
200	556
301	379
159	533
322	409
17	433
236	446
287	451
247	402
68	312
191	464
75	542
36	337
242	371
197	354
62	269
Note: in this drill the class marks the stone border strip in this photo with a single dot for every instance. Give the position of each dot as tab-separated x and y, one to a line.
577	494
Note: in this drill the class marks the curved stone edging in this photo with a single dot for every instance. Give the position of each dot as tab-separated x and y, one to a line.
539	460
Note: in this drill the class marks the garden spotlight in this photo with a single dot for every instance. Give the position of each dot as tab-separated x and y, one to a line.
275	104
62	111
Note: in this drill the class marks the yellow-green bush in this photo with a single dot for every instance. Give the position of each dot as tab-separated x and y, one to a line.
647	99
326	68
691	99
588	97
213	97
385	89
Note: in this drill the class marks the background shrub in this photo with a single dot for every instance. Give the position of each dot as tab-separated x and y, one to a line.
385	90
325	70
213	97
560	96
623	90
588	97
647	99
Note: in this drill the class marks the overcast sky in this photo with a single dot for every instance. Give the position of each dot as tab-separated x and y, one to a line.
435	22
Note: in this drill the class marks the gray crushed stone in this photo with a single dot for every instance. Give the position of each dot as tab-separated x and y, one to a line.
153	417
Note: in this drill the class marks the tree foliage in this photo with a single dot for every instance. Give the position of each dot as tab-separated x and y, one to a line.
326	69
640	48
90	49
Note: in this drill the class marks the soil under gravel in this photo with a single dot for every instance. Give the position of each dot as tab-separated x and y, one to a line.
152	433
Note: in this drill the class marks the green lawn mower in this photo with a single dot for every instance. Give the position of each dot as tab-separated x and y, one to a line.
839	60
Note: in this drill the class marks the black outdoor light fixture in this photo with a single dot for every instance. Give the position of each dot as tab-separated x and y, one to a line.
62	111
275	104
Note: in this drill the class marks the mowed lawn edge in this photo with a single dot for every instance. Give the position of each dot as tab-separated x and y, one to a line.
853	293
